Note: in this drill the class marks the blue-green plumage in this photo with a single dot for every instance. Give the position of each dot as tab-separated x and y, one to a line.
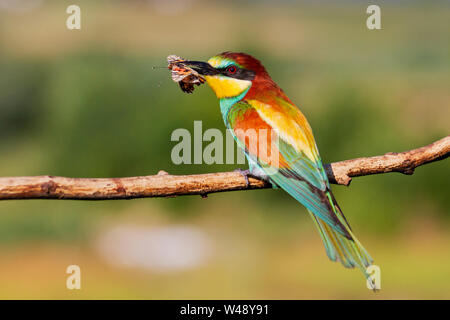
250	99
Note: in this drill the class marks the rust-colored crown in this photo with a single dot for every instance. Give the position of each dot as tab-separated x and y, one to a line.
262	86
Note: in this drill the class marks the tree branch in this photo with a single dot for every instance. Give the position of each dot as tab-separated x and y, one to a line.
165	185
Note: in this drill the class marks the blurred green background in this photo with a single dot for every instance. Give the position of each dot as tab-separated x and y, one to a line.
90	103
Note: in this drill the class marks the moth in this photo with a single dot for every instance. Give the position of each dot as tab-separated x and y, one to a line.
185	76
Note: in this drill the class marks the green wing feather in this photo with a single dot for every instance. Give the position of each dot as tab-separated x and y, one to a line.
307	182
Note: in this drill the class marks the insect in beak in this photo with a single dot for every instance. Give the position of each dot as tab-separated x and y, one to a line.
187	73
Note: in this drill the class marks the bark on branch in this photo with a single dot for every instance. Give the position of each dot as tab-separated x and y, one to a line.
165	185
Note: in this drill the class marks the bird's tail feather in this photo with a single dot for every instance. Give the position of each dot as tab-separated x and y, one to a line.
349	252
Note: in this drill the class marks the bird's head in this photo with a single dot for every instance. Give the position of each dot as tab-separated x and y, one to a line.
230	74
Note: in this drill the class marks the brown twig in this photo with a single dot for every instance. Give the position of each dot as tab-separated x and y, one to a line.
165	185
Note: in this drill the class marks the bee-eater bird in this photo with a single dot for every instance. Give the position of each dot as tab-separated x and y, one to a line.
250	99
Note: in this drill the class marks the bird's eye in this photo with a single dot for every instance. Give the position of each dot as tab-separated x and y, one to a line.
231	69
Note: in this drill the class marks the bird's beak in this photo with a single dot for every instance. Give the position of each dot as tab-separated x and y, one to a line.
203	68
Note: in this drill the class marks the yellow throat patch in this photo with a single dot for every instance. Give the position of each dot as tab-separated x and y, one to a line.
225	87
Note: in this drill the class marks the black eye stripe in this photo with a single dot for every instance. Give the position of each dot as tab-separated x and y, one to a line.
241	74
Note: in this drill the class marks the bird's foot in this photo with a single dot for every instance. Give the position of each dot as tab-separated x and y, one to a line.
245	174
254	174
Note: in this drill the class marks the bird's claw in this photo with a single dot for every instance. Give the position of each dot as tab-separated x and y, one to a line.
245	174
